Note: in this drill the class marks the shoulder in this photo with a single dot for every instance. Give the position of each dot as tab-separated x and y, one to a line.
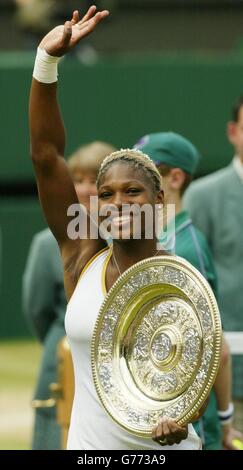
211	182
44	247
45	243
207	192
45	238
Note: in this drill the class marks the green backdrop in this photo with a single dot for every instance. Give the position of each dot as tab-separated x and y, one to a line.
19	220
117	100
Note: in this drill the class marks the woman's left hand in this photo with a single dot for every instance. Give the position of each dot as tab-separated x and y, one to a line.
168	432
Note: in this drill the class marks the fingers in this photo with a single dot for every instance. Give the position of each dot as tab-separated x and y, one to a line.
169	432
67	33
75	17
179	432
157	431
89	25
91	11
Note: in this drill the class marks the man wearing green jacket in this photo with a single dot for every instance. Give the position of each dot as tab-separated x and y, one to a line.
177	160
215	205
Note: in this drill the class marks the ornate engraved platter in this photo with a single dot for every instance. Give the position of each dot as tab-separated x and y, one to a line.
156	344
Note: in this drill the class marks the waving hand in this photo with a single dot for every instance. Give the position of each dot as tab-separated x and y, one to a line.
62	39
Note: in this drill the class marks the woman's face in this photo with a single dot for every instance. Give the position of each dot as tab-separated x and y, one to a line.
121	187
85	186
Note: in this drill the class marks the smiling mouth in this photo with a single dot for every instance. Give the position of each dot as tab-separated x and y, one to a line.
123	220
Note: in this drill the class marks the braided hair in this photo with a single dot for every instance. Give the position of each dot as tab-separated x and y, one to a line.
137	159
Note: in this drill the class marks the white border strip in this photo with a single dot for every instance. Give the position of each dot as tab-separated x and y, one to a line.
235	340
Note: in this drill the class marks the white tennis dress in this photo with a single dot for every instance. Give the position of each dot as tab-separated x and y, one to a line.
91	428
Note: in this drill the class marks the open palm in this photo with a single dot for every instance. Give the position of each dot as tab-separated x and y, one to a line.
63	38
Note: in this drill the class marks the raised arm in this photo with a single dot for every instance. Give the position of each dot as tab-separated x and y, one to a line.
47	133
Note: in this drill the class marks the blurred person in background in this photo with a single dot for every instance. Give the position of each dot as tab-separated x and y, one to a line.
177	160
39	15
215	205
36	17
44	297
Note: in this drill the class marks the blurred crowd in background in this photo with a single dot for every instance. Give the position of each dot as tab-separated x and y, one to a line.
200	24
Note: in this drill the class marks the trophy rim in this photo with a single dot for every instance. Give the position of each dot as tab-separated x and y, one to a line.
170	261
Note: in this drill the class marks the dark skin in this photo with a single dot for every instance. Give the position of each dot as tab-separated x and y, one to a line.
57	192
123	184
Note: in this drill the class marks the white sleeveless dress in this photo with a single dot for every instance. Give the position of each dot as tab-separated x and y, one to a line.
91	428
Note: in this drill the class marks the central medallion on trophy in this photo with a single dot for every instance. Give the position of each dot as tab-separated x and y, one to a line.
164	347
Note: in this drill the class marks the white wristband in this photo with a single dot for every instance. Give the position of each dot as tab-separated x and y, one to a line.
45	68
226	416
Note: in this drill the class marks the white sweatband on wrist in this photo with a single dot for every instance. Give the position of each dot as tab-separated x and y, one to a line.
226	416
45	68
